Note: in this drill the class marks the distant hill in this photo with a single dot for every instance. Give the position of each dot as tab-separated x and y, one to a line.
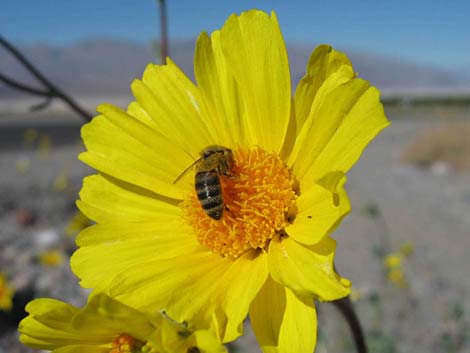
106	67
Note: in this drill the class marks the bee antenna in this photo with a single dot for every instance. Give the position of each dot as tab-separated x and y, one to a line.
184	172
189	155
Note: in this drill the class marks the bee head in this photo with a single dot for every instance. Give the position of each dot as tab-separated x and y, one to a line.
208	151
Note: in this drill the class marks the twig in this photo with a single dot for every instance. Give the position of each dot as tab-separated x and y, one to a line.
23	87
346	308
51	91
163	31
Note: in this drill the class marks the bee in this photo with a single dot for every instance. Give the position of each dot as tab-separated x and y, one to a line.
214	161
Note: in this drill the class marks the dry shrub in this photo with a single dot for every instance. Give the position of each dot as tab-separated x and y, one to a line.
449	143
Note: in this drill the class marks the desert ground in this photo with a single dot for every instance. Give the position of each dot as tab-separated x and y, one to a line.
419	210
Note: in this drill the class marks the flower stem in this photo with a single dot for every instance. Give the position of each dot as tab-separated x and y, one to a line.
346	308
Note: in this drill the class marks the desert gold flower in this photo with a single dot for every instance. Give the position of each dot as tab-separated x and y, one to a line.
397	277
106	325
393	260
6	293
52	258
394	265
159	244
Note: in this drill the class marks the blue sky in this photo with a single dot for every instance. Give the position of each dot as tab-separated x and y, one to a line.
430	32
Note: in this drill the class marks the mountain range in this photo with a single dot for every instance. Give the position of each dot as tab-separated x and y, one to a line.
103	66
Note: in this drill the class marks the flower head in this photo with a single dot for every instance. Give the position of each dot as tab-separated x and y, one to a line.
51	258
159	243
6	294
106	325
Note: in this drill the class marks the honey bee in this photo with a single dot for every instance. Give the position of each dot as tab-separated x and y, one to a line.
215	161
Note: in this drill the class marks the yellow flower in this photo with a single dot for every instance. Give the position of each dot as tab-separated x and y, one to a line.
6	294
407	249
51	258
44	146
61	182
397	277
393	260
106	325
270	253
30	136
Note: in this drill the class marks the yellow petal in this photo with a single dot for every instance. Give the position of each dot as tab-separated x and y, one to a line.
363	122
345	115
220	92
82	348
307	270
206	342
106	250
332	103
58	326
319	212
282	322
49	325
174	103
105	199
199	287
121	146
141	114
104	314
323	62
255	51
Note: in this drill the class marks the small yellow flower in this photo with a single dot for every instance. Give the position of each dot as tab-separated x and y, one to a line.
52	258
106	325
397	277
393	260
6	294
270	254
407	249
61	182
30	136
44	146
23	164
356	294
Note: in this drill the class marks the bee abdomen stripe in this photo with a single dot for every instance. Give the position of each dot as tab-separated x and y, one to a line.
208	191
215	213
206	180
211	202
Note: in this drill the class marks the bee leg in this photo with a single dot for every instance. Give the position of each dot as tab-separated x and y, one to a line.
232	176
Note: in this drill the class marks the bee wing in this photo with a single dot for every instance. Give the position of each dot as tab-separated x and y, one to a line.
184	172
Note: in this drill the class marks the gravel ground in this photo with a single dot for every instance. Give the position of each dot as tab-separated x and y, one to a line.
427	208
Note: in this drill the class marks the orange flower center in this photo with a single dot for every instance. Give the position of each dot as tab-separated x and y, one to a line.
259	201
125	343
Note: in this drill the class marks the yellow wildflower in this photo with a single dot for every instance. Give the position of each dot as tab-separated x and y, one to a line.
407	249
106	325
397	277
393	260
30	136
6	294
61	182
44	146
270	253
356	294
52	258
23	165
